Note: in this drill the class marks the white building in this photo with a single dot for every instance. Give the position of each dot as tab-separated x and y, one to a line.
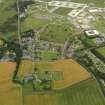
92	33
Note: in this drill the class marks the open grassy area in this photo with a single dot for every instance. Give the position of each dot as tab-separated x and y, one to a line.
101	51
89	42
8	20
62	11
57	32
99	25
83	93
33	23
10	94
49	55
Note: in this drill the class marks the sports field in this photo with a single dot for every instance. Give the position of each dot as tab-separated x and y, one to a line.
83	93
10	94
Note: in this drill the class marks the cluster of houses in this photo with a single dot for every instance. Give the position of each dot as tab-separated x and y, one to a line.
27	43
8	56
50	46
32	48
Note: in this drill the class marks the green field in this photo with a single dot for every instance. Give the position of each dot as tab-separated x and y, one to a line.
57	32
83	93
49	55
63	11
101	51
8	19
99	24
89	42
33	23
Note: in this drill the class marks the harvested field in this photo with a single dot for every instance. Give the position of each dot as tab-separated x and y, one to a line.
8	91
72	72
6	70
25	68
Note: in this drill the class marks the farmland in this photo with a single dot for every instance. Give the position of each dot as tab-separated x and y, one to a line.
25	68
52	61
10	94
83	93
71	74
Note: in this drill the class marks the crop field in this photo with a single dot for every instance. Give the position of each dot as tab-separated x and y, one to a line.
10	94
83	93
72	72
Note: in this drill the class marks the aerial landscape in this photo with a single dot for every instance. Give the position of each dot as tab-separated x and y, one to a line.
52	52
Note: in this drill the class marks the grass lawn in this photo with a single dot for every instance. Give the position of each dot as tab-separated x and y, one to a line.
83	93
57	32
49	55
63	11
33	23
100	25
101	51
89	42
